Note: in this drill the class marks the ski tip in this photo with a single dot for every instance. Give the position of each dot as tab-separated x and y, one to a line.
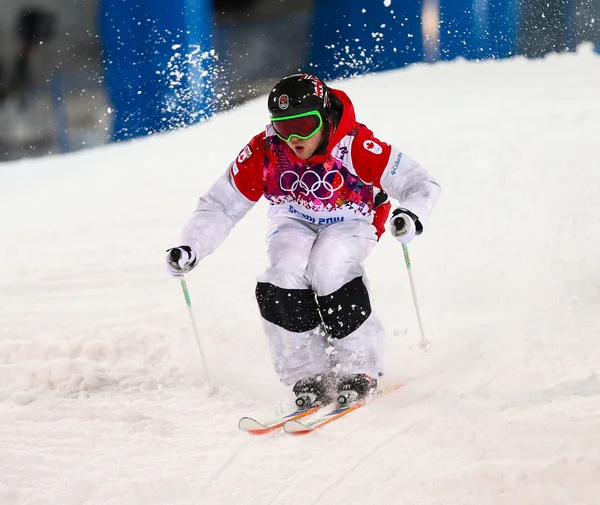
253	427
296	428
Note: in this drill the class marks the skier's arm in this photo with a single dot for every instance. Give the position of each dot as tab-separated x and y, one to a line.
225	203
398	175
216	214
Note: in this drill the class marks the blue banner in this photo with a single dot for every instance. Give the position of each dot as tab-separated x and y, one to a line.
478	29
352	37
157	63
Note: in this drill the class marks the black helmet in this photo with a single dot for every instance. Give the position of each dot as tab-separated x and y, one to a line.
299	93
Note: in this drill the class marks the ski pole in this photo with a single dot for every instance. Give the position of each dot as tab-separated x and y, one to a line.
188	302
424	342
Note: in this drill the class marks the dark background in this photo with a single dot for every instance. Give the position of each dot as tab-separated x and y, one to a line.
53	90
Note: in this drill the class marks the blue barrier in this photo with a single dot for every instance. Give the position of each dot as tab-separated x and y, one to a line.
476	29
157	63
503	31
351	37
60	113
569	12
457	29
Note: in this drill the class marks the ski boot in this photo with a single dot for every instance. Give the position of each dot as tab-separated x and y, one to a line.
314	390
356	387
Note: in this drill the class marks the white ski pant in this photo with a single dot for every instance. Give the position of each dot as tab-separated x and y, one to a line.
314	299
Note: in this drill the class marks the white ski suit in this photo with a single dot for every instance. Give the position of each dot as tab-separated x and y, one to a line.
324	221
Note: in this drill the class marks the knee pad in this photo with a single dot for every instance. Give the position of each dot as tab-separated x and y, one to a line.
344	310
292	309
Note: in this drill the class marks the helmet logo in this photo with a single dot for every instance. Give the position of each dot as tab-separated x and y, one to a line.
284	102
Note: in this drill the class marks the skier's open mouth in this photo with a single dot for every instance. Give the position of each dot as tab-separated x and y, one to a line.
299	149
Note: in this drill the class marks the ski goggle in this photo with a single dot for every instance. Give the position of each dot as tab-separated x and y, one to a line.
303	126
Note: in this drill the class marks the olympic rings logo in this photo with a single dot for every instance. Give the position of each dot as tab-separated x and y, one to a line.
311	183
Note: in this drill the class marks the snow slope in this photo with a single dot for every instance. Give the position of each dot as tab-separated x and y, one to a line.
103	400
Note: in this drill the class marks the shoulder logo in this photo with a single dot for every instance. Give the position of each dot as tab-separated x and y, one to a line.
244	155
371	146
284	102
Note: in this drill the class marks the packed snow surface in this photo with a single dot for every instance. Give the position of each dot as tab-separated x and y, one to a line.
103	399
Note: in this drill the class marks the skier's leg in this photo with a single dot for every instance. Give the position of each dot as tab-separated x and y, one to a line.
287	304
336	273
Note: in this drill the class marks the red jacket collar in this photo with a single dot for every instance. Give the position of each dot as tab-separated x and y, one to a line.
347	121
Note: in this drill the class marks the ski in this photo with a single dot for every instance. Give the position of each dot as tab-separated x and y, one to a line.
255	427
295	427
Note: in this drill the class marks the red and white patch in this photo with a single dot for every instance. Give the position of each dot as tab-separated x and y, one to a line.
244	155
318	88
318	84
371	146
